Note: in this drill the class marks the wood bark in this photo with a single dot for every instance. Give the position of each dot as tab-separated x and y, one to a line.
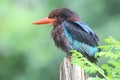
70	71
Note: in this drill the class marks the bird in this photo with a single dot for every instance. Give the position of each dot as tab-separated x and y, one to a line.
70	33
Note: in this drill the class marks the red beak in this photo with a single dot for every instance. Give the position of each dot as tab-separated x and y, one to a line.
44	21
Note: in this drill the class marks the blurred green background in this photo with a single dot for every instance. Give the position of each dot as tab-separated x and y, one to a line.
27	52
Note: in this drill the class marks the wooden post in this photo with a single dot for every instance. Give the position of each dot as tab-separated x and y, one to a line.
70	71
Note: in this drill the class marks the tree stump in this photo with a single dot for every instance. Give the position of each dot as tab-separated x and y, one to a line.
70	71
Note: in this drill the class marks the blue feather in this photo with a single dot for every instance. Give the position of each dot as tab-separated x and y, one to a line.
80	46
90	50
84	26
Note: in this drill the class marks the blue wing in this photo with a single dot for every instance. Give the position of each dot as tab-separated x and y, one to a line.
80	32
81	37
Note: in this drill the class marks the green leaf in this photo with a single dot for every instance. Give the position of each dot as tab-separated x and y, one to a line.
110	70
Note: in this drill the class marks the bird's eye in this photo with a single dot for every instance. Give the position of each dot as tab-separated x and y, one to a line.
57	16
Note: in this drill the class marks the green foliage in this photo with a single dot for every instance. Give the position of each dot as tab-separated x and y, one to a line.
110	70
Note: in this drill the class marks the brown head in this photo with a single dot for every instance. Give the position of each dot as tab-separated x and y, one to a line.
57	16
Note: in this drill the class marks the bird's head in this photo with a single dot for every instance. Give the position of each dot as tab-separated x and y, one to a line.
57	16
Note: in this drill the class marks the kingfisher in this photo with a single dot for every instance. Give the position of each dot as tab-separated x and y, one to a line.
70	33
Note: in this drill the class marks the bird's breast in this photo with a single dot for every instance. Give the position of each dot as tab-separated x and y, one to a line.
57	35
60	39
